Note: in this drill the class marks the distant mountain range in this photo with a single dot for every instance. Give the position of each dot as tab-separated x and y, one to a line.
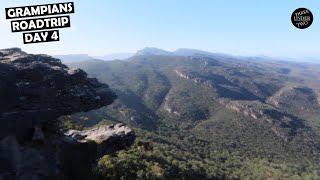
179	52
68	58
73	57
114	56
122	56
153	51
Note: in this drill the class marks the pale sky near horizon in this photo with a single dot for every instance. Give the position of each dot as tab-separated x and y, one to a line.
244	27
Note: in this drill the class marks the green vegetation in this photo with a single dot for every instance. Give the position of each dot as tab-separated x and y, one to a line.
185	132
149	159
69	123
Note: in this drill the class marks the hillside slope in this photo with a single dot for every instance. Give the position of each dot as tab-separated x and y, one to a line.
209	105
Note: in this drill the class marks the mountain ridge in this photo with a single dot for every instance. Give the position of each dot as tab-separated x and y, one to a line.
230	83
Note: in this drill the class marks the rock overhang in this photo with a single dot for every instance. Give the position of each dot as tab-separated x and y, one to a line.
35	89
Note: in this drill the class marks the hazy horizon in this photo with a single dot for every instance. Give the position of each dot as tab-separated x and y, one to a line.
294	59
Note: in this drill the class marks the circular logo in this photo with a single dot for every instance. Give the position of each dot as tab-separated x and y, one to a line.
302	18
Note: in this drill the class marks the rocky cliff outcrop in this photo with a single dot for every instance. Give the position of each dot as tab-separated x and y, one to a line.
38	88
109	138
34	91
282	124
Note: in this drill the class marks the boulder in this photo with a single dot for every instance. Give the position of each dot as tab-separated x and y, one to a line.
108	139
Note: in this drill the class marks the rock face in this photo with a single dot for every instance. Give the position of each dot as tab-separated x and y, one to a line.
108	138
88	146
38	88
35	90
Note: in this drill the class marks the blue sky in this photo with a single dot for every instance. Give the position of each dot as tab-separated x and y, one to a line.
242	27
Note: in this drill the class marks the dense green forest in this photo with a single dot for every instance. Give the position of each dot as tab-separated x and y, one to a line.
209	117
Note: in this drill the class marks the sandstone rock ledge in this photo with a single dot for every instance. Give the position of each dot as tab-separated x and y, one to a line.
108	138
